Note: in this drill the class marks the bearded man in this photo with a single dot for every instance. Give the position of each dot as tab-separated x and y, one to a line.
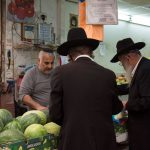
138	74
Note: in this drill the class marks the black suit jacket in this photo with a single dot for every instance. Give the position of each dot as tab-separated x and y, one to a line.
83	99
139	107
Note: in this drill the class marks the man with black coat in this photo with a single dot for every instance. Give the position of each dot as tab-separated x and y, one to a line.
83	97
138	74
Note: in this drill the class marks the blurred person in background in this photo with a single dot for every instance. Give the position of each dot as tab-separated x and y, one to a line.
35	88
137	70
83	97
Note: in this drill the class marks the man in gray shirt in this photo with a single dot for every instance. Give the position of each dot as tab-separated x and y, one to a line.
35	87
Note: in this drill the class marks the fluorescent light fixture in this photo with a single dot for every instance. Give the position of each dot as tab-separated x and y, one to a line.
123	17
137	19
141	20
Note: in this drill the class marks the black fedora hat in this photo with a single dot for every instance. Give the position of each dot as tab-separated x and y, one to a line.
77	37
125	46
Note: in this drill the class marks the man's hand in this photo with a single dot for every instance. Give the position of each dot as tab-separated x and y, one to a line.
40	107
27	99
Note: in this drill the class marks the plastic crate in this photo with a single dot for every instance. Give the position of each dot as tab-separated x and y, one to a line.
18	145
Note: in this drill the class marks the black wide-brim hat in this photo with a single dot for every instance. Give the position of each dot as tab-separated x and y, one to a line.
77	37
125	46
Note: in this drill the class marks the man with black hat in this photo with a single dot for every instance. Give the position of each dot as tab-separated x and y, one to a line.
83	97
34	89
138	105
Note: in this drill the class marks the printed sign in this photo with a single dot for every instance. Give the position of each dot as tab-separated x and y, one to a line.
101	12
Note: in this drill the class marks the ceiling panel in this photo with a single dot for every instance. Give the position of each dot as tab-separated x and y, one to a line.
137	2
134	7
140	10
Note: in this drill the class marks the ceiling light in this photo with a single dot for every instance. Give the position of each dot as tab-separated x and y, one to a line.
134	19
124	17
141	20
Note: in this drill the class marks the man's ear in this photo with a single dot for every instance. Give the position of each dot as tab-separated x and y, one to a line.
38	61
128	56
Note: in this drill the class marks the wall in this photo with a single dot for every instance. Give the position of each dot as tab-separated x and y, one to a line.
29	56
26	53
58	13
113	33
67	9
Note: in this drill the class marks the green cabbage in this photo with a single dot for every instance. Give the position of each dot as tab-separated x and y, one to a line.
29	119
13	125
5	116
1	125
35	131
52	128
46	112
11	135
41	115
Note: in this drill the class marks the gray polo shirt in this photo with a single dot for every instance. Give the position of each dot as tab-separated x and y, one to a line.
37	85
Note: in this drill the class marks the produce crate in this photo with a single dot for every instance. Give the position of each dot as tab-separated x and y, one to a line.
18	145
48	142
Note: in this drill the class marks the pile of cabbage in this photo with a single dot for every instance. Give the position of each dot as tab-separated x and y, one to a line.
32	124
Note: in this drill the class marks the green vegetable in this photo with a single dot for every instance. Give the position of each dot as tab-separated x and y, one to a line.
1	125
11	135
52	128
41	115
29	119
13	125
46	112
35	131
18	118
120	128
5	116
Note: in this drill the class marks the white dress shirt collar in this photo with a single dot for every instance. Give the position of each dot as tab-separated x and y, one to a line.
84	56
134	69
